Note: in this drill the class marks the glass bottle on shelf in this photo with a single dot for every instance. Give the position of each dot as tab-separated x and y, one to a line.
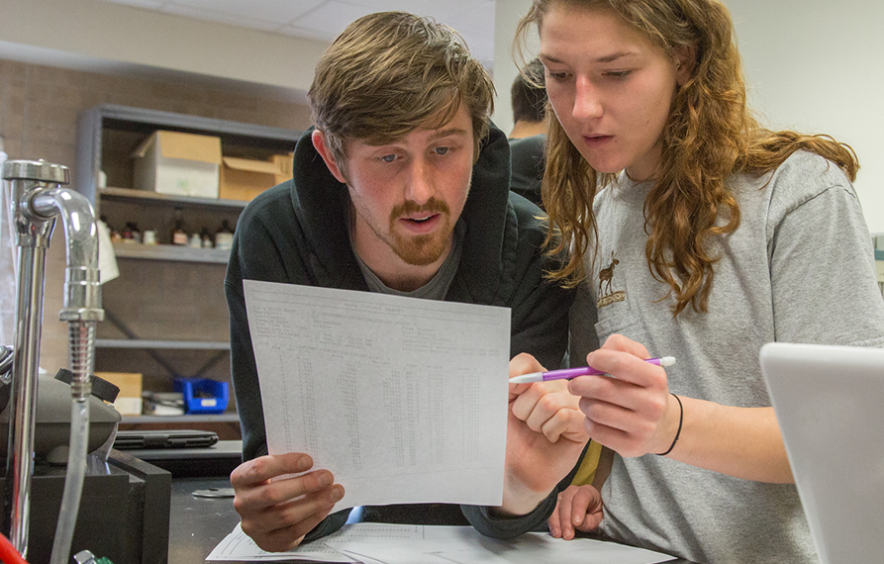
224	236
128	234
195	241
115	236
206	239
149	237
179	235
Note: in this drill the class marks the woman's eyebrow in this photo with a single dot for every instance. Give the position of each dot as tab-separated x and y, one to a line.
614	56
603	59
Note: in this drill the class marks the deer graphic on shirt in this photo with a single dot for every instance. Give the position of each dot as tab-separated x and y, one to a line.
606	275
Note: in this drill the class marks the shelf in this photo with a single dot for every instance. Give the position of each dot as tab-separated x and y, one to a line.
216	418
146	196
93	122
106	136
170	253
148	344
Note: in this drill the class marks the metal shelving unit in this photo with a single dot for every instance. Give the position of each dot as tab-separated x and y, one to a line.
147	196
153	419
170	252
153	344
106	137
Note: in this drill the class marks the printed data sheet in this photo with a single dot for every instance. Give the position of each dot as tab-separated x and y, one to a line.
404	400
374	543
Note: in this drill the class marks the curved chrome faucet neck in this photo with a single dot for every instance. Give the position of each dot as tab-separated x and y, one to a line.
36	200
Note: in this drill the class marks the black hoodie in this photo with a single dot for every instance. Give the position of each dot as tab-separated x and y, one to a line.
296	233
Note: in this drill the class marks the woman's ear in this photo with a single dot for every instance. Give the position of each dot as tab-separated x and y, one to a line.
685	62
320	143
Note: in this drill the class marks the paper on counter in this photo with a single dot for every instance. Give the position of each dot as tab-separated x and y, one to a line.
239	547
466	545
374	543
403	400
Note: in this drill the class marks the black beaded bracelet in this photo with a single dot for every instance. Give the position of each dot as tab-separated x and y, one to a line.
678	432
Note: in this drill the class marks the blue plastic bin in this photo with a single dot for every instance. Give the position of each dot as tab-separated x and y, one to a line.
202	395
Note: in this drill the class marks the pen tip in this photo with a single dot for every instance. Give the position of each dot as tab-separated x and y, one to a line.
667	361
527	378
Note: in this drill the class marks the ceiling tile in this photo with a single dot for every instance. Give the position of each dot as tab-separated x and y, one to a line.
476	25
279	12
306	33
149	4
331	17
220	17
326	19
433	8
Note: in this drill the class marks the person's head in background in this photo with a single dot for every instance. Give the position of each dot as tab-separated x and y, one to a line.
655	88
400	110
528	99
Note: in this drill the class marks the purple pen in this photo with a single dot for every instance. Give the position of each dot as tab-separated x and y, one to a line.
568	373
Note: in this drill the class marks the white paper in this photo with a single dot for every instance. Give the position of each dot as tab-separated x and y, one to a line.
107	259
403	400
376	543
239	547
466	545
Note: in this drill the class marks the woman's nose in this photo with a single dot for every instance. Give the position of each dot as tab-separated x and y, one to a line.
587	100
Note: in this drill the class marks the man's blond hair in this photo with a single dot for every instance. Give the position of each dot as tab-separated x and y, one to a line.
390	73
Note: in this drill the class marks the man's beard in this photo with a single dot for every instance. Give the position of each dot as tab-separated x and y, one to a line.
421	250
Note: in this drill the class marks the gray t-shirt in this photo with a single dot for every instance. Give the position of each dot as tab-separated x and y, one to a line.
800	268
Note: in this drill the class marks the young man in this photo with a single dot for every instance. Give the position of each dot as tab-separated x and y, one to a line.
403	188
528	136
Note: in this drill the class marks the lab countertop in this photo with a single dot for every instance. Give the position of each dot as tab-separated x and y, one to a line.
198	524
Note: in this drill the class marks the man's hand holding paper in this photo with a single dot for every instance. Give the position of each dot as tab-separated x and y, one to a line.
277	513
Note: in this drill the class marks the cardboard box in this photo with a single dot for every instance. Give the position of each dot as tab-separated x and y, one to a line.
181	164
285	164
129	400
243	179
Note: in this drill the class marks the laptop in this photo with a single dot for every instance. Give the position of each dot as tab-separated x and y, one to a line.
829	401
159	439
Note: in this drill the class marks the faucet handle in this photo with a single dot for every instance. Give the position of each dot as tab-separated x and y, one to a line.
40	170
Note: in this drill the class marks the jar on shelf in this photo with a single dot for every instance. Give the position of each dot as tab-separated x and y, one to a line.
179	235
224	236
149	237
130	233
206	239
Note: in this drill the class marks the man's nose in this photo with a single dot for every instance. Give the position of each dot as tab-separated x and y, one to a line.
420	186
587	100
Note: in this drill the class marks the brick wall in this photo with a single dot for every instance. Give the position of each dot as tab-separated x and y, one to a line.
39	106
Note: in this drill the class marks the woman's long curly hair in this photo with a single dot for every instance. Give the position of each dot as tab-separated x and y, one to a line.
709	136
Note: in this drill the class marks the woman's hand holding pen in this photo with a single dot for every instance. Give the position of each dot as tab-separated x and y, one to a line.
545	436
277	514
633	413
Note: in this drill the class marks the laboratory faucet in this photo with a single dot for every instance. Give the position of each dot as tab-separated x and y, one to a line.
36	198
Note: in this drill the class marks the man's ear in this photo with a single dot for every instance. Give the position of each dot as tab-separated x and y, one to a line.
685	62
321	145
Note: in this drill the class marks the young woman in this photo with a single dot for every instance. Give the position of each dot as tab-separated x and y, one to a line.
701	235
